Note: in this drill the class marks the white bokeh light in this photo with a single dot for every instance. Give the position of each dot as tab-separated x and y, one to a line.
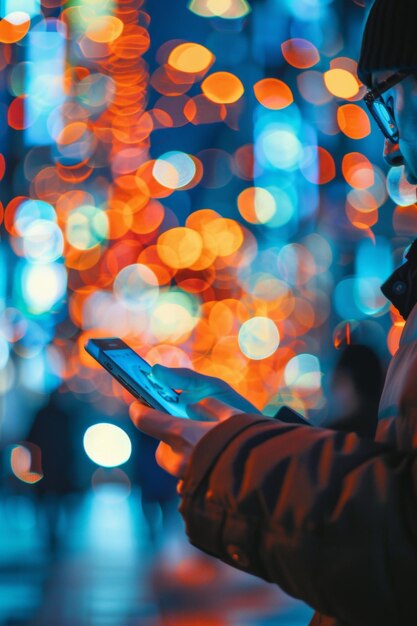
303	372
137	287
258	338
174	169
107	445
43	286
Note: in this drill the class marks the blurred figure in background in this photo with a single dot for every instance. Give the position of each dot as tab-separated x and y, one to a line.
158	489
53	431
355	390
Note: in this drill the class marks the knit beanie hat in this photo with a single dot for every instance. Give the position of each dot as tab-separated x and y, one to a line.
390	38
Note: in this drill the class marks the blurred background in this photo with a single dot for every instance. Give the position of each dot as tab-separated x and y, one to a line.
201	179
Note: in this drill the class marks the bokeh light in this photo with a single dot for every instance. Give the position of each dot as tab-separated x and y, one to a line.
174	170
43	286
341	83
192	58
43	241
107	445
358	170
258	338
256	205
273	93
174	317
300	53
14	26
222	88
212	194
21	463
180	247
226	9
87	227
279	148
303	372
137	287
353	121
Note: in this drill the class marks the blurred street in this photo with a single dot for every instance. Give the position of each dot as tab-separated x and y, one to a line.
105	572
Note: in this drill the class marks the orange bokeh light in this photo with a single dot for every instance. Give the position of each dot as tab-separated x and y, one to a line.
353	121
251	204
16	114
14	27
300	53
103	160
104	29
192	58
223	236
351	66
273	93
326	168
358	170
362	200
72	133
132	43
180	247
360	219
341	83
145	178
25	463
147	219
150	257
222	88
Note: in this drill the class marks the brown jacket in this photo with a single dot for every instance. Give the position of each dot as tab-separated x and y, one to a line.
330	517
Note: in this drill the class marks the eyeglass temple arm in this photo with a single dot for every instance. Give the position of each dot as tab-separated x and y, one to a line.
389	82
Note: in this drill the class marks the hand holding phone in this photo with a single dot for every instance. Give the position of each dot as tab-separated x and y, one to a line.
204	397
135	374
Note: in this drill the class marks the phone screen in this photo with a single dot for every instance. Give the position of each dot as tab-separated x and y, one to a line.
139	371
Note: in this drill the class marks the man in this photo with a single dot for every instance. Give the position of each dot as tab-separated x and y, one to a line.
329	516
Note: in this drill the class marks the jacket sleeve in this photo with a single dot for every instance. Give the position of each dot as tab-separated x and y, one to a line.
328	516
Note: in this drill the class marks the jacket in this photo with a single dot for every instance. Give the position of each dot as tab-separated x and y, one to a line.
329	516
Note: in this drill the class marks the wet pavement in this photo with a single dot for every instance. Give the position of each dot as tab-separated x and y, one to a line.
104	570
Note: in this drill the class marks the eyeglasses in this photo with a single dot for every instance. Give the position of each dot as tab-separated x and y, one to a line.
383	111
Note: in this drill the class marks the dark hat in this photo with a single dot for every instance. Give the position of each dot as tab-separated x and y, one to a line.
390	38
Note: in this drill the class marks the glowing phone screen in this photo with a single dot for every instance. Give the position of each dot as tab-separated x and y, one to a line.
141	372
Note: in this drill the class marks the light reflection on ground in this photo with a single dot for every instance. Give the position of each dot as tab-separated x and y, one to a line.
106	572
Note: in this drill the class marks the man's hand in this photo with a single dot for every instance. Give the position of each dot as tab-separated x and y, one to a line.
203	397
207	402
178	435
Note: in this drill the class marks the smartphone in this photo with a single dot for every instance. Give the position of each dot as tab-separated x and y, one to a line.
287	415
135	374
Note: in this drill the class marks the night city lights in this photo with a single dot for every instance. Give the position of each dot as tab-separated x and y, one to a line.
202	179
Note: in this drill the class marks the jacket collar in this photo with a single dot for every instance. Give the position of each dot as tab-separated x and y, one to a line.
401	286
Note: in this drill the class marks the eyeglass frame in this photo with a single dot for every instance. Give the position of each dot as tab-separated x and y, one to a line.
375	94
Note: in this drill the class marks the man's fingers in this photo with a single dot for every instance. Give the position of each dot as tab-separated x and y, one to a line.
181	378
198	413
170	460
155	423
192	397
212	410
197	386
